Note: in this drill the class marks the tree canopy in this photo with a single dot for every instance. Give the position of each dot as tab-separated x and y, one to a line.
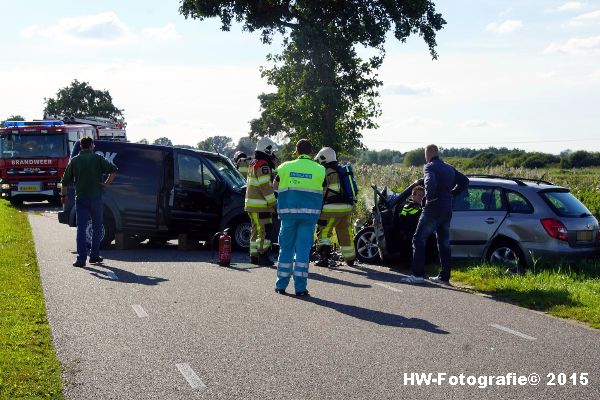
14	117
218	144
79	99
325	91
163	141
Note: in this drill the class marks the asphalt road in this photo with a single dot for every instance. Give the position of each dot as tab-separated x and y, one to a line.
166	324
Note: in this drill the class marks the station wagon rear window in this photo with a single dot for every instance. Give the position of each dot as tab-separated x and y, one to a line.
565	204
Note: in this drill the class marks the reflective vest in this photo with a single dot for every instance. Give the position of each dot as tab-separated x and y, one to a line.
332	206
409	210
259	191
300	193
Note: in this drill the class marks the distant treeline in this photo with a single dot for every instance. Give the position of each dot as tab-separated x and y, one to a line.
482	158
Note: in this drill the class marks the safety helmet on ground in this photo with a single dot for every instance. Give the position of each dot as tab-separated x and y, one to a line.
326	155
266	146
238	155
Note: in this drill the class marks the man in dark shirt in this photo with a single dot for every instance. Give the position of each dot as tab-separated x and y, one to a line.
442	182
86	170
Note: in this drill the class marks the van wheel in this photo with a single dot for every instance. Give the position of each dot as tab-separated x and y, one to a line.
241	235
108	232
507	254
365	244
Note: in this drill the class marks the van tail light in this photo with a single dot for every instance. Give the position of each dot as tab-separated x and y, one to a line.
555	228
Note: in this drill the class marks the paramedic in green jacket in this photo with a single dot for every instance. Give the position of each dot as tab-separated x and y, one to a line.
299	184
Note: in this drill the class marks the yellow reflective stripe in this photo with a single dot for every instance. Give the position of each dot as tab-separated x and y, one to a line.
337	207
264	179
259	202
270	198
334	186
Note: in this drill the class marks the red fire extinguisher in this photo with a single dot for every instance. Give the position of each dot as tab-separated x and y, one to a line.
224	248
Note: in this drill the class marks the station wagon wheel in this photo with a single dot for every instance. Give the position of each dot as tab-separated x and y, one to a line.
365	244
508	255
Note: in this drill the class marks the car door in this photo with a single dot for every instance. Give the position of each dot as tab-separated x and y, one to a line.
477	215
196	202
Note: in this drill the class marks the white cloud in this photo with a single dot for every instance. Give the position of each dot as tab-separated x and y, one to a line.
595	76
421	122
507	26
568	6
476	123
585	19
104	29
590	45
402	89
166	33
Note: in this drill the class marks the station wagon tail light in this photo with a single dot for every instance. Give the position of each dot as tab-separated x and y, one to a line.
555	228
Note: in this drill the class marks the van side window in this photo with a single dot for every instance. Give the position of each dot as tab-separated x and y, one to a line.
194	174
517	203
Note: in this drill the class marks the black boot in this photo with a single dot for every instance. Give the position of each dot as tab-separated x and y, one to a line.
324	256
254	260
264	260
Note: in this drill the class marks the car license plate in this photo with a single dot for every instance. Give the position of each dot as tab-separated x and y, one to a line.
29	187
584	235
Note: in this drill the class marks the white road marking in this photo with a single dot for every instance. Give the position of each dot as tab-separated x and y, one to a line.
190	376
517	333
393	289
139	310
112	276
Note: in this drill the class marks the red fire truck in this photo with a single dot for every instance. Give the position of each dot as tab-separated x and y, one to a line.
34	154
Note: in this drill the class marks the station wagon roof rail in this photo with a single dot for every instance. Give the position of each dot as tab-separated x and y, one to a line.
518	181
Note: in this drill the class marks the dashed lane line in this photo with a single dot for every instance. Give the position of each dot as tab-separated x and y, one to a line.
393	289
112	276
190	376
512	331
139	310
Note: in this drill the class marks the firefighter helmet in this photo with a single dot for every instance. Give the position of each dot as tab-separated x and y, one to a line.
267	146
326	155
238	155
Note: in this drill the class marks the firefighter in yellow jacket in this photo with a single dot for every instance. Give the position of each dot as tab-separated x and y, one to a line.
260	201
242	162
336	213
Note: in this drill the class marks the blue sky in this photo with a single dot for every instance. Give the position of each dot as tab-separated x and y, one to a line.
510	73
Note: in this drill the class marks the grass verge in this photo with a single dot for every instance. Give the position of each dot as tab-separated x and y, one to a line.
566	291
29	368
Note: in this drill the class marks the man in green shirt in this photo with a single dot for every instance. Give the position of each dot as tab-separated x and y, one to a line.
86	170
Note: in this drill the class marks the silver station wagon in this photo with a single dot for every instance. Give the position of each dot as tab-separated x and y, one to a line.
514	221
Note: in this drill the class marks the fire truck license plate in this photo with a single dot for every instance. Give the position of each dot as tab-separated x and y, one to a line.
29	187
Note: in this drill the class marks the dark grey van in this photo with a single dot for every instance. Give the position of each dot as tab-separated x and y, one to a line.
161	192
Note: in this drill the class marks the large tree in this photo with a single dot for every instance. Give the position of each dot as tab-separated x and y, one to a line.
325	91
79	99
218	144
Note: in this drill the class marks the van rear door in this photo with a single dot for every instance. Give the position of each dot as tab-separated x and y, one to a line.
197	197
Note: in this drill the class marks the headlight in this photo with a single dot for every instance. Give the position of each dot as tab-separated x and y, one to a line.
5	186
59	185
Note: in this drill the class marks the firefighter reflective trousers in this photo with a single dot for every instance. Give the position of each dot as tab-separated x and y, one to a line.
343	230
262	224
295	240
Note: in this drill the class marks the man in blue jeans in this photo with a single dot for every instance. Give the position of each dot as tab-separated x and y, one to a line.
442	182
86	170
